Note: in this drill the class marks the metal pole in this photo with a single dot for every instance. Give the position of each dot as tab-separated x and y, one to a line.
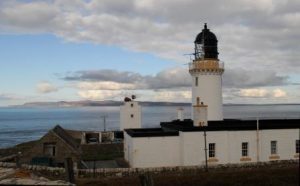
205	149
94	169
257	139
104	122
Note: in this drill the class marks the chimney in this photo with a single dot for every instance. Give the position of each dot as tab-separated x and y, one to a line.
200	114
180	114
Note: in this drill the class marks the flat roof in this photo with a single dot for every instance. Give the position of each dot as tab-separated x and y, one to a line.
233	125
172	128
150	132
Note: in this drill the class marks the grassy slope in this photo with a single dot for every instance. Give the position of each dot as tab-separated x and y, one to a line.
22	147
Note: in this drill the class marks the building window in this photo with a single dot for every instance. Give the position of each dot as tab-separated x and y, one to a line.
211	150
196	81
245	149
198	101
131	105
273	147
49	149
297	146
131	115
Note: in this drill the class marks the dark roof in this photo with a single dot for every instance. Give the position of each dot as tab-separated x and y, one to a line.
172	128
150	132
233	125
58	130
209	42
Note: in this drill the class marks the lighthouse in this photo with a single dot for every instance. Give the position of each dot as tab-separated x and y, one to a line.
206	71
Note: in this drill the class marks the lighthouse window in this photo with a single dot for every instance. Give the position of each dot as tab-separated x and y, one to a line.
131	115
211	150
297	146
273	147
196	81
245	149
131	105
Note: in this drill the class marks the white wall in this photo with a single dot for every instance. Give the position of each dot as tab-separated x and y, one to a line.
128	109
209	90
153	152
188	148
286	140
127	147
235	140
192	148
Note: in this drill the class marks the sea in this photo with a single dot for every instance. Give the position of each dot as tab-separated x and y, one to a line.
18	125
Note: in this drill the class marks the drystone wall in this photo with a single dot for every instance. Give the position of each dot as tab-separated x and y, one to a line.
127	172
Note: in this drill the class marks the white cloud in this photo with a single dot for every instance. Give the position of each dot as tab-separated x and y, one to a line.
263	34
105	85
263	93
254	92
278	93
99	94
176	96
46	87
260	39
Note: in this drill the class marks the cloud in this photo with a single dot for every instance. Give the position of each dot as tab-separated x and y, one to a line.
6	97
99	94
171	78
105	85
103	75
113	80
178	96
258	40
27	17
45	87
263	93
254	93
263	34
278	93
240	78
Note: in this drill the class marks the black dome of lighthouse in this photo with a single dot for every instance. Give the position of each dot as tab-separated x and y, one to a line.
206	45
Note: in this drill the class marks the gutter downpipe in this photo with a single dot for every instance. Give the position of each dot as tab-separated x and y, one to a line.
205	150
257	139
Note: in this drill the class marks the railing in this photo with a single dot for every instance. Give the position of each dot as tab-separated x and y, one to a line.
206	65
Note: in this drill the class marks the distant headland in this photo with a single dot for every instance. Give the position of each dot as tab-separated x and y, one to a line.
90	103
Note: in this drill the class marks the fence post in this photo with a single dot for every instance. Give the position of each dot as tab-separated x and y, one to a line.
18	163
146	179
94	169
69	170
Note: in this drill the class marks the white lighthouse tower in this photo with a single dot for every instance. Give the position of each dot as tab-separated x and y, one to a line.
206	71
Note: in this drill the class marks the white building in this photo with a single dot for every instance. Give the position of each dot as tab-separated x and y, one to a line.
209	138
179	143
130	115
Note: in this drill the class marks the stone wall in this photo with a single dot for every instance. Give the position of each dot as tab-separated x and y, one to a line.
127	172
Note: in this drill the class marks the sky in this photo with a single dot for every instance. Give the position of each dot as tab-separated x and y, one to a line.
69	50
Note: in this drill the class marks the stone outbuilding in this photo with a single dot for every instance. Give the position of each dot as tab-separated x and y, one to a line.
53	148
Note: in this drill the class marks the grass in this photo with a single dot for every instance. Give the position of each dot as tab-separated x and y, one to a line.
22	147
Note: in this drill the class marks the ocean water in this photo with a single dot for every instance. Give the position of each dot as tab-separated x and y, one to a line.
18	125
